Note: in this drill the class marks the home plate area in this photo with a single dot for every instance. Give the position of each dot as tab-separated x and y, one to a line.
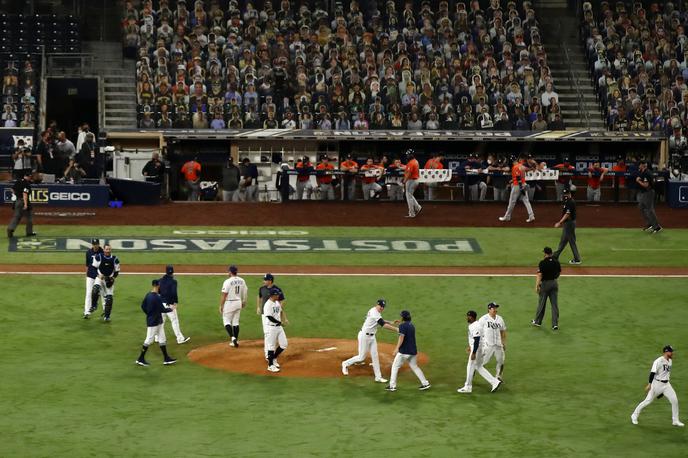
305	357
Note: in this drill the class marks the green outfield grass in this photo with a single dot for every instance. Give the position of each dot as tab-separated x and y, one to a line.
70	387
499	247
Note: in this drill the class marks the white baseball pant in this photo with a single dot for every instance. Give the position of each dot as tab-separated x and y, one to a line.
275	337
656	389
366	344
474	365
498	352
174	319
399	361
89	289
230	313
155	331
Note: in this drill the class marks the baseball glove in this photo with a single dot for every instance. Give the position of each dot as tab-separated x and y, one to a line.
109	281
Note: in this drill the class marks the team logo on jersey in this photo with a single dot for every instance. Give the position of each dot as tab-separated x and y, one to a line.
253	245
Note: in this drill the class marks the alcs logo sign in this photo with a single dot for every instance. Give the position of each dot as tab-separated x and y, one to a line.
43	196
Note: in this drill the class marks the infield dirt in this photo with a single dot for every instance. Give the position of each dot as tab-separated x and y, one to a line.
305	357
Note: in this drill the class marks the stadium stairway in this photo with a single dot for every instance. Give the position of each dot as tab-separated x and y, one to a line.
579	106
119	83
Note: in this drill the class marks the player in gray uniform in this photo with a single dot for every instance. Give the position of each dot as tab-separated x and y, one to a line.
658	385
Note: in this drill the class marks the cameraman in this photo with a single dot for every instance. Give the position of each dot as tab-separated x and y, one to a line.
22	161
74	173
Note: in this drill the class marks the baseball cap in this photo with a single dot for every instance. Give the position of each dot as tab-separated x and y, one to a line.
268	277
95	242
382	302
233	269
667	348
492	305
155	282
405	315
472	313
547	250
275	291
169	269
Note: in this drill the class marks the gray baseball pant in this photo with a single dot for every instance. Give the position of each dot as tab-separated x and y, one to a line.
515	195
368	187
646	203
594	194
413	205
478	191
548	289
18	213
326	191
568	236
499	194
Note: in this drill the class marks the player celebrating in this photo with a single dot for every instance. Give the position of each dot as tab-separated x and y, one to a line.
168	292
493	336
659	385
275	338
367	342
232	300
153	307
107	266
91	274
475	357
406	351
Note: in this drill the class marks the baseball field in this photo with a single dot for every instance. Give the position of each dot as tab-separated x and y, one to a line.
71	388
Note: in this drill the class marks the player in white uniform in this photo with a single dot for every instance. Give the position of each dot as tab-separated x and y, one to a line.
367	342
474	351
275	337
232	300
493	338
659	386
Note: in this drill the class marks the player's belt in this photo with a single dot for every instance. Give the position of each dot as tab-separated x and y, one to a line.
663	381
369	334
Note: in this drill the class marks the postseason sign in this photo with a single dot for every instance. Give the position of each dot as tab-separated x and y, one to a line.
251	245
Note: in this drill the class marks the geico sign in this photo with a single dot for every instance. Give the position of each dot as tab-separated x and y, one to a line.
81	196
42	195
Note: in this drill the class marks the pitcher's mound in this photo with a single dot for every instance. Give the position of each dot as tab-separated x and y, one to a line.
303	358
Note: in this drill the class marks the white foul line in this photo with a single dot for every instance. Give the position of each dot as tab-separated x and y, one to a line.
354	274
649	249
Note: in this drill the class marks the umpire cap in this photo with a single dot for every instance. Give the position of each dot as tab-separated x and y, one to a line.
381	302
169	269
547	250
667	348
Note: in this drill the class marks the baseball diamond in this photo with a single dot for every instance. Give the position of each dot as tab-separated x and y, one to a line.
425	228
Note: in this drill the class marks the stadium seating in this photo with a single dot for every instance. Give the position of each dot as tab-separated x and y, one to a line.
411	64
638	59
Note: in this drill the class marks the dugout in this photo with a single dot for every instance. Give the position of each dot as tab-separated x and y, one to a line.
267	148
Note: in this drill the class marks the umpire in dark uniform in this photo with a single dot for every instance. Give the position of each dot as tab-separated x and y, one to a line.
22	206
646	198
153	307
264	292
568	225
547	286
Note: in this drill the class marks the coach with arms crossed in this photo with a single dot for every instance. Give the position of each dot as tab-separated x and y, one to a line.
547	286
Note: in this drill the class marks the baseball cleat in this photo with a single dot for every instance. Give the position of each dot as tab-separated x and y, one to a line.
106	318
465	389
555	328
530	219
232	344
381	380
169	361
273	368
678	423
504	219
418	211
634	419
184	340
390	388
86	315
424	387
535	324
575	262
276	364
410	216
496	386
142	362
345	369
647	228
657	229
